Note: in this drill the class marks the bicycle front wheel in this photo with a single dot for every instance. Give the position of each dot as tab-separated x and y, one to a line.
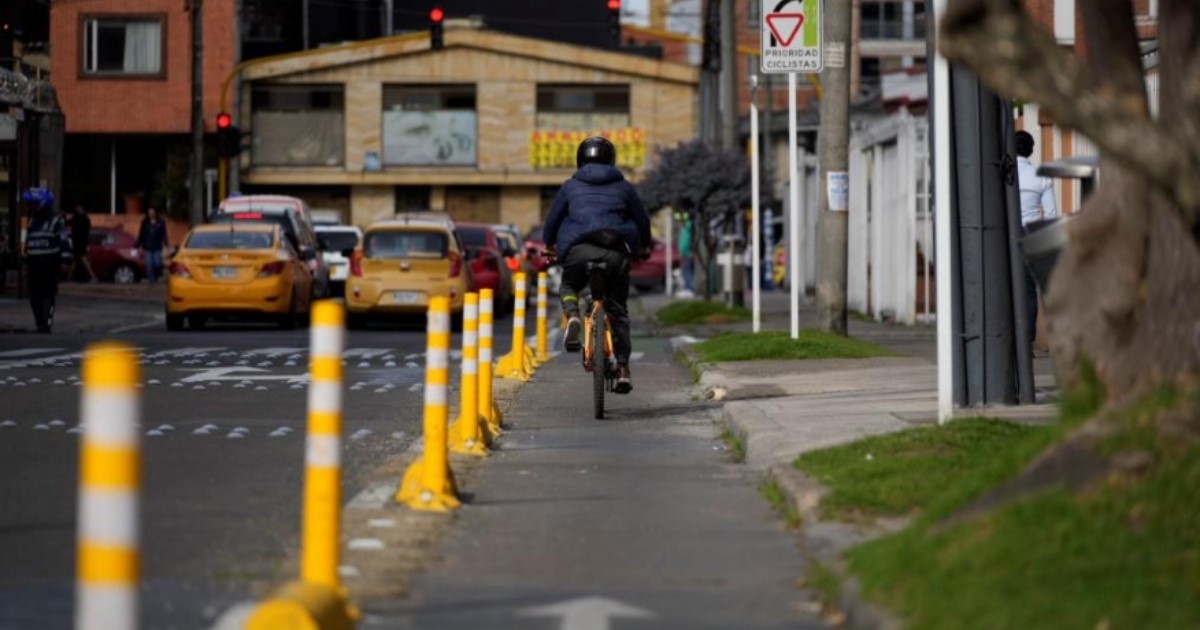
599	364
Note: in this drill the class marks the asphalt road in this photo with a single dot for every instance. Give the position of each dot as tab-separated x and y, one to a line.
220	514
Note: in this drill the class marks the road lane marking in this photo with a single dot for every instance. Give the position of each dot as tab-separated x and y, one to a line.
24	352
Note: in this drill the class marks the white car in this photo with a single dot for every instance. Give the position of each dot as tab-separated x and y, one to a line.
337	239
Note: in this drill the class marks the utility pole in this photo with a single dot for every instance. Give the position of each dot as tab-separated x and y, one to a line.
729	76
834	176
197	210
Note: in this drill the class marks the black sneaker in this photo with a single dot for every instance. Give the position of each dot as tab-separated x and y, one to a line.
624	382
571	338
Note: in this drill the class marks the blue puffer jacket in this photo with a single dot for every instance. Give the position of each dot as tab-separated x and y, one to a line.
596	198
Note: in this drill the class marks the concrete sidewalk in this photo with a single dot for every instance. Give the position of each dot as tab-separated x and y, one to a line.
780	409
90	308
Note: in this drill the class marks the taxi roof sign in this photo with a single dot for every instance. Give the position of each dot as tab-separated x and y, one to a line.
791	36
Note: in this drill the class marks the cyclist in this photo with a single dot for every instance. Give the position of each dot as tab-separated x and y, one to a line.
597	216
47	249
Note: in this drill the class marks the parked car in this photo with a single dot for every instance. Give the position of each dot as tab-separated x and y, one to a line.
486	253
650	274
511	247
337	239
535	249
400	264
290	213
115	256
322	217
245	270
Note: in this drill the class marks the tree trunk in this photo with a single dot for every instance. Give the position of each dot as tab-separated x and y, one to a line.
703	256
1126	293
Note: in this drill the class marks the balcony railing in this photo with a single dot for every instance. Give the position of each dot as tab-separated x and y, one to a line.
893	28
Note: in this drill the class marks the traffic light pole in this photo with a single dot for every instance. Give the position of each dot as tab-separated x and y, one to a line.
196	210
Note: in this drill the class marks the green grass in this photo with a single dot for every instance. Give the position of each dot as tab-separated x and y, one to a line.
774	494
1122	554
812	344
678	313
736	448
825	582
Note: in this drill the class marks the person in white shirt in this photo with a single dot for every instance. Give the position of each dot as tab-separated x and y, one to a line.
1037	204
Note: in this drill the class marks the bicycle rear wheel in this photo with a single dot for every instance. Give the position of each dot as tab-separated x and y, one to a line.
599	364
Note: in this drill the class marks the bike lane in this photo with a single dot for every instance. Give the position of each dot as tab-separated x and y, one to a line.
636	521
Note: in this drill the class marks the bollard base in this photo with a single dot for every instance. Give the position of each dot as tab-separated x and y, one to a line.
469	439
304	606
426	490
514	367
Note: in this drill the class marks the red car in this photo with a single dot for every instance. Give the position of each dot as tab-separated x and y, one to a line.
485	253
650	275
535	249
115	256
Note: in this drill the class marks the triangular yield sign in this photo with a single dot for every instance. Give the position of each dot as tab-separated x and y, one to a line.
785	26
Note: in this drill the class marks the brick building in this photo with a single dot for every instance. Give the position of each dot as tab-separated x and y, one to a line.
123	73
485	128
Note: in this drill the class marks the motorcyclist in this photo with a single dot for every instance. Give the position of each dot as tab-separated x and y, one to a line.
597	216
47	249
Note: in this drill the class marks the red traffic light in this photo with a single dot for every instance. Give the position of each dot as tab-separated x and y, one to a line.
614	5
436	15
224	120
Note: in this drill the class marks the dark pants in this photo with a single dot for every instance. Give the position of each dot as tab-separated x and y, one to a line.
616	290
43	288
1031	306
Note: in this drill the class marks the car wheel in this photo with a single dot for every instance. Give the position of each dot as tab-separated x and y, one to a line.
456	322
356	321
196	322
174	322
288	321
125	274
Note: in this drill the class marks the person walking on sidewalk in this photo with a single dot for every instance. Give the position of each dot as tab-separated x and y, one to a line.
686	236
152	239
81	234
47	249
1037	204
597	216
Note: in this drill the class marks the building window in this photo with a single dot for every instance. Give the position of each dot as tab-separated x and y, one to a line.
298	125
582	107
123	46
429	125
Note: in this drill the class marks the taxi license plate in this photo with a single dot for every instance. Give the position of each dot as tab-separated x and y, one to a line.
224	273
406	297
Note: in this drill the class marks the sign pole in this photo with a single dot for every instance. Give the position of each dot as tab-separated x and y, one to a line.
942	219
755	210
795	280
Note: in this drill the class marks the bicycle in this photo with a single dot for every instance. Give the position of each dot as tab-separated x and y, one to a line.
597	340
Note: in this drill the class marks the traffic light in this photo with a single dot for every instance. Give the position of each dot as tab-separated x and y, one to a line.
614	22
229	138
436	17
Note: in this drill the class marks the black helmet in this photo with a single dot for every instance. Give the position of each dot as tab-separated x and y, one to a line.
596	150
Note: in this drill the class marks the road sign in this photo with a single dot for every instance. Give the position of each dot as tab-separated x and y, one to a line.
791	36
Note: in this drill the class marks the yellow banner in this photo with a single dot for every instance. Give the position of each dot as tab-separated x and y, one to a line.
556	149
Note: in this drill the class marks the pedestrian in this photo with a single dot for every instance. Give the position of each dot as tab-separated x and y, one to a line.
47	249
1037	204
152	239
81	233
685	253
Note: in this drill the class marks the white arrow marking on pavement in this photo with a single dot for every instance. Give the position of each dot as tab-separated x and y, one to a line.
237	373
587	613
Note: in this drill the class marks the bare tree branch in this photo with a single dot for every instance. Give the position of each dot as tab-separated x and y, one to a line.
1013	56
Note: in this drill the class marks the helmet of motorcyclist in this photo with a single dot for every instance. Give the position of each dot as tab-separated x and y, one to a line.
39	198
596	150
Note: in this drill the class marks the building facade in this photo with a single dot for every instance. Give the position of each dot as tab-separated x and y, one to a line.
485	128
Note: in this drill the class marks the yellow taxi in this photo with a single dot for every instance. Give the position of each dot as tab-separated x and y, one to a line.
400	264
244	270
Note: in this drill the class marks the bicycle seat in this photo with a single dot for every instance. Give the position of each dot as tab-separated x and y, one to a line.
597	266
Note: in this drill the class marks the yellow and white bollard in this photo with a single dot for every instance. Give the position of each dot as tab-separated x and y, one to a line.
487	407
428	483
466	434
516	365
323	452
110	478
318	599
543	350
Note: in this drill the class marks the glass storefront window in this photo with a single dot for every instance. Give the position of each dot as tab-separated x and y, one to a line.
429	125
298	125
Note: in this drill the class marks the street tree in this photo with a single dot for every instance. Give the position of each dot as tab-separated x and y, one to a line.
1125	298
710	185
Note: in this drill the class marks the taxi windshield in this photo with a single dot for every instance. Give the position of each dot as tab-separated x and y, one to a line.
229	240
405	244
